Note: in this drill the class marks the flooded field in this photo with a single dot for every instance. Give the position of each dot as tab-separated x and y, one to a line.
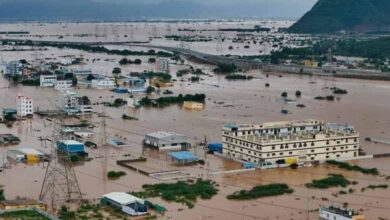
366	106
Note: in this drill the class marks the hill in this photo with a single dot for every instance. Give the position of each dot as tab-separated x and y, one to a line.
362	16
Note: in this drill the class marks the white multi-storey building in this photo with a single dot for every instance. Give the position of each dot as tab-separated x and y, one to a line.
14	68
103	84
47	80
163	65
24	106
62	85
69	100
278	143
82	74
335	213
71	103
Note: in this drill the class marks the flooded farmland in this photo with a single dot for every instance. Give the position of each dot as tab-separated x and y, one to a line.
366	107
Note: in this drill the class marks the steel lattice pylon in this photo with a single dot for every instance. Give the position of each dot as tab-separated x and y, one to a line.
60	183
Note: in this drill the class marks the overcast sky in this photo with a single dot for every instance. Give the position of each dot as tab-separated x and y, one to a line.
123	9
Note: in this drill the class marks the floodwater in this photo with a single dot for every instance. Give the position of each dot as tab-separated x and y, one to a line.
366	106
154	33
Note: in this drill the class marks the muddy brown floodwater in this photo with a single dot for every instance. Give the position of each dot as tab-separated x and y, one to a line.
366	106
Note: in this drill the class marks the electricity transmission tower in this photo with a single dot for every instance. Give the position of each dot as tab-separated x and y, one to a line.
219	39
60	183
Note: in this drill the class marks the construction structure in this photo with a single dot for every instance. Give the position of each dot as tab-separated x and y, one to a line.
60	185
283	143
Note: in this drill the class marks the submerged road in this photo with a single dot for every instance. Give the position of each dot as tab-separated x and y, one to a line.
244	64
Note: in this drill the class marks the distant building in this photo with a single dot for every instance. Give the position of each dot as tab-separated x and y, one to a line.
310	63
161	83
62	85
193	105
103	84
47	80
279	143
133	102
24	106
334	213
71	147
166	140
22	204
72	104
14	68
134	82
162	65
126	203
82	74
69	100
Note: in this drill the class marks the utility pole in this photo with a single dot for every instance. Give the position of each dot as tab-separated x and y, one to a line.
60	183
103	147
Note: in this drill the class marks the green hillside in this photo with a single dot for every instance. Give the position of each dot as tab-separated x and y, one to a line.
361	16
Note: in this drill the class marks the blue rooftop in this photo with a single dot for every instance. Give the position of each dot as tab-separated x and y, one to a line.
183	156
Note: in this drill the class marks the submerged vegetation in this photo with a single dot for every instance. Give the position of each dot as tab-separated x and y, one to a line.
23	214
115	174
165	101
274	189
128	117
225	68
181	192
92	49
333	180
380	186
238	77
347	166
2	197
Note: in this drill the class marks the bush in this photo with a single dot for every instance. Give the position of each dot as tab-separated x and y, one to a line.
381	186
116	70
124	61
150	90
181	192
347	166
115	174
274	189
138	61
2	197
238	77
284	94
127	117
226	68
164	101
339	91
298	93
333	180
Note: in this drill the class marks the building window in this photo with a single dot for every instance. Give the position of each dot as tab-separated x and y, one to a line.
281	153
290	152
273	147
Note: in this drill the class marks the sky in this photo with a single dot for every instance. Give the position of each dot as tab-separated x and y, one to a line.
125	9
